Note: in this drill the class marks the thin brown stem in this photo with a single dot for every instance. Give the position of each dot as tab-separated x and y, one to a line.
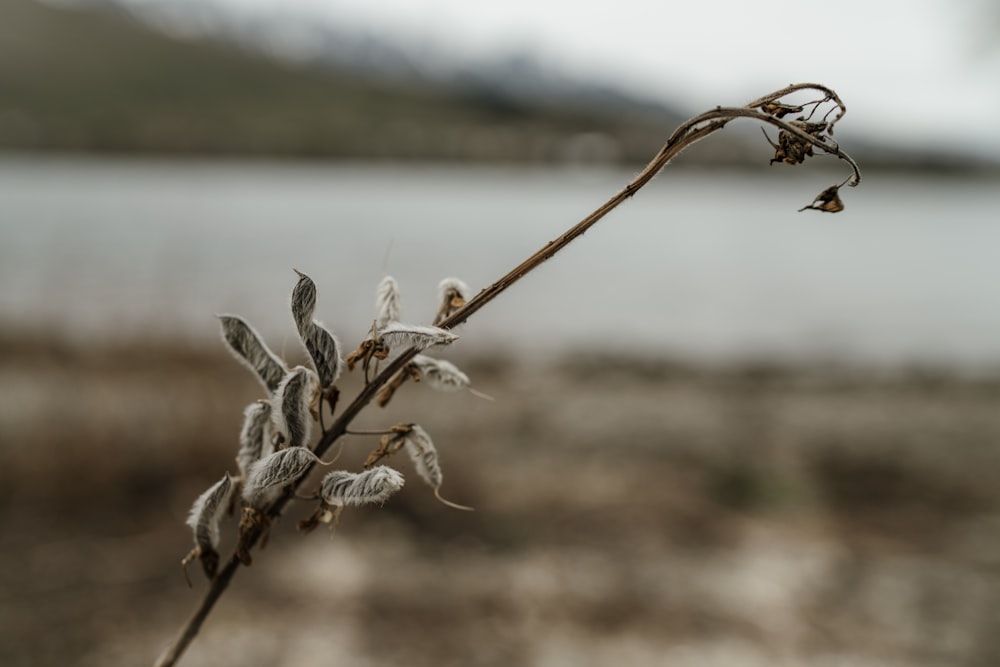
190	629
692	131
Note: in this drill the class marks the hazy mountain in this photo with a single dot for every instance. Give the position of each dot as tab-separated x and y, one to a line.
186	77
281	33
83	78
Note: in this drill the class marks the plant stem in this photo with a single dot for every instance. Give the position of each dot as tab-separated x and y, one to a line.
692	131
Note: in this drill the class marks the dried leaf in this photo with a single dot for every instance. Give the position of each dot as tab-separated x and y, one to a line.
395	382
370	348
389	444
324	513
779	110
253	524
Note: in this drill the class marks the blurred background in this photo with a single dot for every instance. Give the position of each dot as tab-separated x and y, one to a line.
724	432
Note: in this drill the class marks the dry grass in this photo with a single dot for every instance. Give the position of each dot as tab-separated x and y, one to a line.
635	511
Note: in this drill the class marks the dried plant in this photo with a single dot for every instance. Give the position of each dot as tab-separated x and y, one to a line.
275	455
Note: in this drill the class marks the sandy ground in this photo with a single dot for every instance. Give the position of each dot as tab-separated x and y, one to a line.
627	512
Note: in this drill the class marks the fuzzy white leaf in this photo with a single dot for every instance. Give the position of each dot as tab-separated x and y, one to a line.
388	303
351	489
290	416
404	336
255	436
206	513
440	374
324	348
424	456
268	476
248	347
303	302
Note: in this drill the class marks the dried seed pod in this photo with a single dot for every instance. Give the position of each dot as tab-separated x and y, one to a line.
396	335
440	374
452	294
342	488
387	301
248	347
255	436
303	301
270	475
290	403
206	513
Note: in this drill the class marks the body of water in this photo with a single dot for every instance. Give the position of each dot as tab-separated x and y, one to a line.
710	265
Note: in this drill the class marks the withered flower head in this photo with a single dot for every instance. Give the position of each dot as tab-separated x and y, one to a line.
792	149
828	200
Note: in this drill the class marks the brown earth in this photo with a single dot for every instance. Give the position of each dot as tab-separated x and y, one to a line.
628	512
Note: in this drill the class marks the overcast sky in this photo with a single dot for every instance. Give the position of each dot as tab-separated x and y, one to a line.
927	70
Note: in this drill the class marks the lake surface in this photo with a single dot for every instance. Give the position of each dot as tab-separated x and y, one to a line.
709	265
